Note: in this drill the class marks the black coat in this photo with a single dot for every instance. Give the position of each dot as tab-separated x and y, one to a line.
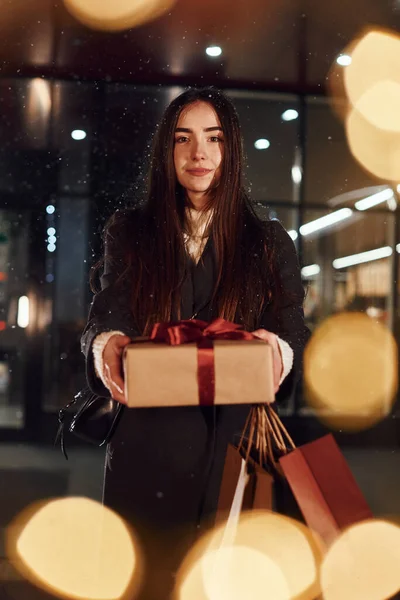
166	463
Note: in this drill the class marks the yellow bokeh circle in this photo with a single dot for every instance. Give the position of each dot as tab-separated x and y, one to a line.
377	150
363	563
117	15
75	548
268	552
350	371
372	80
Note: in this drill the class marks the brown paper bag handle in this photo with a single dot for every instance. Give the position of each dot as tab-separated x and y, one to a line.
280	431
265	430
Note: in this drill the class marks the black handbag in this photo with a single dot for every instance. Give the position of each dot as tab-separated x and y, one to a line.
90	417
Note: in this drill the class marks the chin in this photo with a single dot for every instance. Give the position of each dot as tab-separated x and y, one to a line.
197	190
200	186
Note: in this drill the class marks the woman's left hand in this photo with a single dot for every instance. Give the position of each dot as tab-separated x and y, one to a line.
272	340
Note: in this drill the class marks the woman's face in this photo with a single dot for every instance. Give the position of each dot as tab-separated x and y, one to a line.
198	151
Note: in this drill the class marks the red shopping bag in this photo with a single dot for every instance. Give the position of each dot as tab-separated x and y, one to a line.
317	473
324	487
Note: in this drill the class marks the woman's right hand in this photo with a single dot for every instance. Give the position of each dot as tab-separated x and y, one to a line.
112	361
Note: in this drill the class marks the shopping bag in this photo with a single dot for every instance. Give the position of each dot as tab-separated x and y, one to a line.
245	485
324	487
318	475
246	478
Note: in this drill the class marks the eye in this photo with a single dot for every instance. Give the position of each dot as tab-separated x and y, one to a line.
216	138
181	139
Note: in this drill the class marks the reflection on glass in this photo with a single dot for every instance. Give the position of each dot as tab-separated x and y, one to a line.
14	315
348	266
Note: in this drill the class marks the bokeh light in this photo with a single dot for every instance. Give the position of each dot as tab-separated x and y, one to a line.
365	95
233	574
270	552
75	548
377	150
350	371
363	563
117	15
380	105
372	80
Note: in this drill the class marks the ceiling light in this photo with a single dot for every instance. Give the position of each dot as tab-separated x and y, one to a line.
344	60
375	199
290	115
293	234
262	144
51	231
362	257
50	209
310	270
297	174
51	247
52	239
214	51
23	312
78	134
326	221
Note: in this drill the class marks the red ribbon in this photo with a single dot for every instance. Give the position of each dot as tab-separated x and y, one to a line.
203	335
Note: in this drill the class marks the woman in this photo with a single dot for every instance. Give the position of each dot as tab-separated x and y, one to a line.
195	250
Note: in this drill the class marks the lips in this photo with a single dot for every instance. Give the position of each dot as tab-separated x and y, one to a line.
198	172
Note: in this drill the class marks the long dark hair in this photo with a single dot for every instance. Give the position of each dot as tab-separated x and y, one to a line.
151	249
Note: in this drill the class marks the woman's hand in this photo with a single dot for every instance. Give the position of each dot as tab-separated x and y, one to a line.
112	361
272	340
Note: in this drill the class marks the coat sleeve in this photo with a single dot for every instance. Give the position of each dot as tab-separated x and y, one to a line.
109	311
286	316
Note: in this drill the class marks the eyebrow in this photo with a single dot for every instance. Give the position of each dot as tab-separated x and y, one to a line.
186	130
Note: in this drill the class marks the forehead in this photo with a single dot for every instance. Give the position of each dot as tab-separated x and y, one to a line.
199	114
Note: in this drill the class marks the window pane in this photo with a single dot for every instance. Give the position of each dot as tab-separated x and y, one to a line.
339	273
15	315
66	291
332	175
262	118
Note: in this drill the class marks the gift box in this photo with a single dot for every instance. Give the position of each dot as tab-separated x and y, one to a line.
193	363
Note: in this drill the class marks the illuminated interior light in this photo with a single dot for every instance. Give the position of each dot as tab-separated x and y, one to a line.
310	270
23	312
326	221
375	199
362	257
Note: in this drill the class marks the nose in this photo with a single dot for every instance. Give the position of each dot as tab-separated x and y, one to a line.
199	150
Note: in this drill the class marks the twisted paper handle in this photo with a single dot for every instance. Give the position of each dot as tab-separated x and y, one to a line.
267	434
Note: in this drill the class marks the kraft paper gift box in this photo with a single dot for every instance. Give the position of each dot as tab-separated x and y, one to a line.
158	374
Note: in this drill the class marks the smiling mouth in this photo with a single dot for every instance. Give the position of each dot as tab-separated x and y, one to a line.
198	172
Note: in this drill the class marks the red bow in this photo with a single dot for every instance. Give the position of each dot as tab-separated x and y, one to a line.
203	334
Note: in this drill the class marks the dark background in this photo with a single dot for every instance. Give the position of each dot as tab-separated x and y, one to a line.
57	76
